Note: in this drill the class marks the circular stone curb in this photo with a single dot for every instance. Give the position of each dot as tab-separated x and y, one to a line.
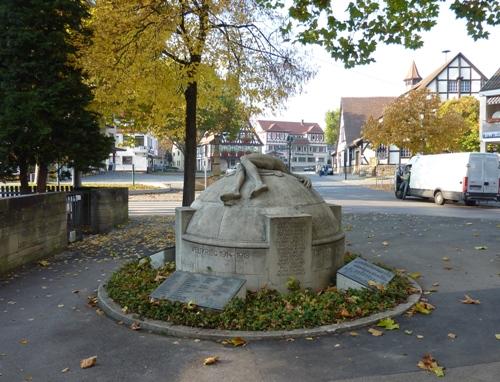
113	310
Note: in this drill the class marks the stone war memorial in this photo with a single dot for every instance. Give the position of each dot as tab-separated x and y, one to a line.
262	225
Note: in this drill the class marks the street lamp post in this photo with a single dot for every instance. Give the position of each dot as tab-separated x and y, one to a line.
289	141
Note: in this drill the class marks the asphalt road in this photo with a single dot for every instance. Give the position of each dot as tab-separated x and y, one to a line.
354	196
47	327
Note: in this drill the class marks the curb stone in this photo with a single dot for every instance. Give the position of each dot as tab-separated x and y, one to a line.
113	310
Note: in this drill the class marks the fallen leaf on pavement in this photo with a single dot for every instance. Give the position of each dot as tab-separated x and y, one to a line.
24	341
423	307
446	258
497	336
388	323
92	301
235	341
415	275
430	364
88	362
409	332
354	334
419	336
65	370
309	338
210	361
385	243
469	300
375	332
435	284
43	263
135	326
452	335
481	247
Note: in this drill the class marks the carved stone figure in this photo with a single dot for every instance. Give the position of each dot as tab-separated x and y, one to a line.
249	168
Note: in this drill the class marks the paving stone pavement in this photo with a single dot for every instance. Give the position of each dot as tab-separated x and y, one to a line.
47	325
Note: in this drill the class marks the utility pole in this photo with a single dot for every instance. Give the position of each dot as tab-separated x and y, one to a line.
289	141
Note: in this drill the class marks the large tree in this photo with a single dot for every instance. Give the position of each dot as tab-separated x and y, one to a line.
159	60
468	108
351	34
332	122
414	121
43	100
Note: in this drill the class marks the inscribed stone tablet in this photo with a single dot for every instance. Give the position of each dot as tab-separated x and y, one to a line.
358	274
212	292
159	259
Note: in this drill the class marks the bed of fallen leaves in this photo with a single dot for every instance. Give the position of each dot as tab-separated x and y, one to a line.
140	236
266	309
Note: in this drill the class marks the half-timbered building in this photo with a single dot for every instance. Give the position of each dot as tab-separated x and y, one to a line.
303	142
456	78
230	150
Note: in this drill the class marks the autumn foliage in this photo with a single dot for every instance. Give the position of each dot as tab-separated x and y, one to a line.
417	122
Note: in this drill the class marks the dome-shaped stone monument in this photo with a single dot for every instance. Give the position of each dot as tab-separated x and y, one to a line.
283	230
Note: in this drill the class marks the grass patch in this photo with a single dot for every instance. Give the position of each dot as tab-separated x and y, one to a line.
266	309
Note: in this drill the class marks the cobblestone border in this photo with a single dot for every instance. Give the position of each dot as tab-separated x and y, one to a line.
114	311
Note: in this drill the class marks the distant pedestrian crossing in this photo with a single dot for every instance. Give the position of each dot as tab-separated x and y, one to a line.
152	207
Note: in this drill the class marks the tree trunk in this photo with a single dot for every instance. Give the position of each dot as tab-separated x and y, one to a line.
77	178
41	180
190	96
24	176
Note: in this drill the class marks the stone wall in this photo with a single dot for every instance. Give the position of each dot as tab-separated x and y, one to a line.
31	227
108	208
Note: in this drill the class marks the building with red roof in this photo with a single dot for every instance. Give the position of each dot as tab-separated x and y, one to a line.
303	141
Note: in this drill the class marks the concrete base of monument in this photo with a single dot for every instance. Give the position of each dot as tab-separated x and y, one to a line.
114	311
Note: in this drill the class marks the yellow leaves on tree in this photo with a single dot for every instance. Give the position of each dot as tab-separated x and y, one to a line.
415	121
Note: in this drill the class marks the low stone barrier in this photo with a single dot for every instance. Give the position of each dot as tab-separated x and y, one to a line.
31	227
108	207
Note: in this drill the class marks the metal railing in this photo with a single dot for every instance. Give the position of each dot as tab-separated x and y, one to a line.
9	191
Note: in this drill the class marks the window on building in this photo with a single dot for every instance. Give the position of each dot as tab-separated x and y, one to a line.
139	140
127	160
465	86
302	159
321	160
452	86
405	153
310	159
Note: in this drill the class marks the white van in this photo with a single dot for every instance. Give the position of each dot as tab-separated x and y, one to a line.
464	177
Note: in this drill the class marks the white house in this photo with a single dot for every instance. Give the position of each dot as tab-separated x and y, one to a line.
456	78
303	141
352	151
489	112
139	150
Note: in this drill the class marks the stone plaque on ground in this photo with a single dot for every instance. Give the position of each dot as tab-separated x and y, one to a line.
159	259
207	291
360	274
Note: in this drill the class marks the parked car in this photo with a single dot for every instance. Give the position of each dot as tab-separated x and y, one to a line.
308	168
325	170
466	177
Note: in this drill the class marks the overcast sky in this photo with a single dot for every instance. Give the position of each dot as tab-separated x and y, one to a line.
385	76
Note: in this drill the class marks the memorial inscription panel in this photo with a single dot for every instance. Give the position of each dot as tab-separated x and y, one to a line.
360	273
207	291
290	247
